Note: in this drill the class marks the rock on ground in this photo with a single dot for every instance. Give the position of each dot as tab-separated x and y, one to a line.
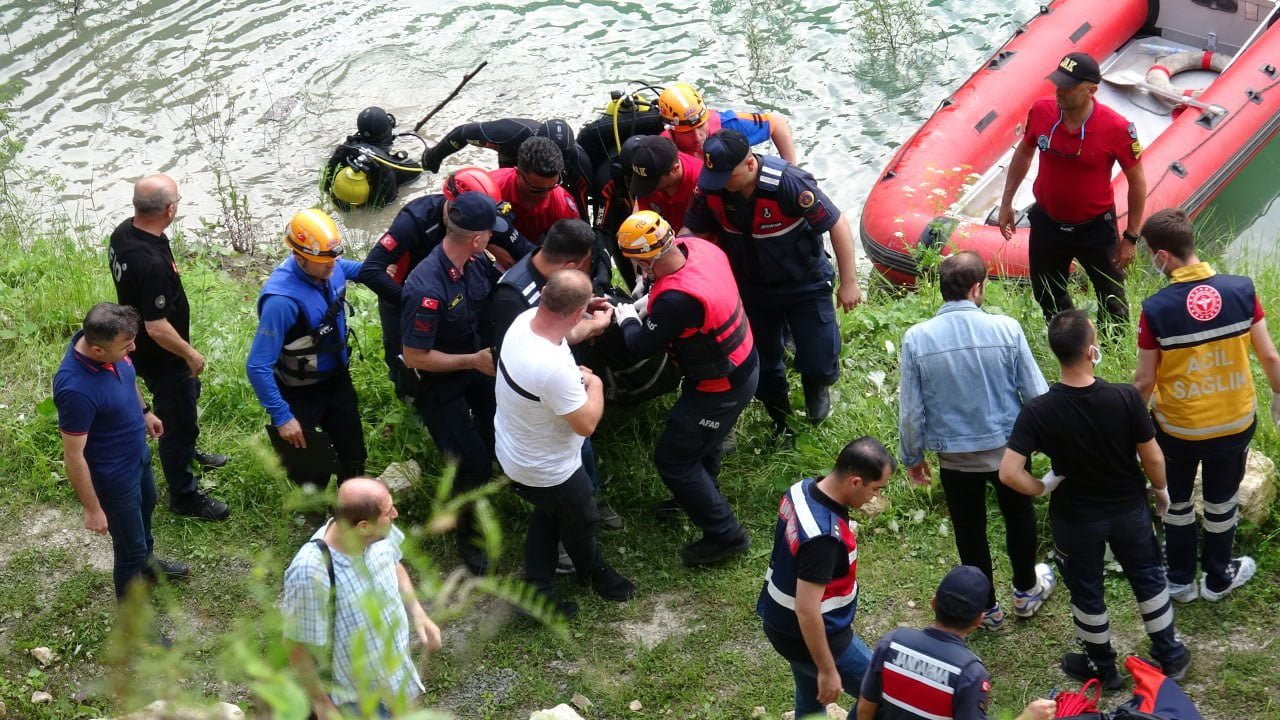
1257	489
559	712
163	710
401	476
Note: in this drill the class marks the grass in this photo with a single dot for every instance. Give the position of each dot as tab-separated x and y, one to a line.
688	646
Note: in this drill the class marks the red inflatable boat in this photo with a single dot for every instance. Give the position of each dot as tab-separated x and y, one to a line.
942	188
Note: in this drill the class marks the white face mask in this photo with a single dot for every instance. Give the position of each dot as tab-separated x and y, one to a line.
1159	266
1095	354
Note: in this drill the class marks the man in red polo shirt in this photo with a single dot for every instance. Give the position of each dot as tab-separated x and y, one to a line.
1074	215
662	178
532	187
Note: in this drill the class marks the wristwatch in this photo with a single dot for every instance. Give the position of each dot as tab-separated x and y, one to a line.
1131	237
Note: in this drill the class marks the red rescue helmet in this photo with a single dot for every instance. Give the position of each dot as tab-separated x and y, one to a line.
469	179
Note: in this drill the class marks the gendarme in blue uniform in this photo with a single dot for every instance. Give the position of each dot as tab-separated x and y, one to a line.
302	333
441	305
101	401
926	673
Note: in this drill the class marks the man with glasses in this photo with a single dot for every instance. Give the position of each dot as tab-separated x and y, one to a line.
533	188
146	279
1074	215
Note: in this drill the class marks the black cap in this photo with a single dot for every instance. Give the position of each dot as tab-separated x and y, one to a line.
963	593
1074	69
650	157
476	212
375	123
721	153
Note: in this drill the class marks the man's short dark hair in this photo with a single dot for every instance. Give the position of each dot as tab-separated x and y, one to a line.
566	292
540	156
363	506
107	321
865	457
1070	335
959	272
1170	230
568	240
951	621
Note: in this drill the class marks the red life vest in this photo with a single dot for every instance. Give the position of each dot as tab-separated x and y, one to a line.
710	352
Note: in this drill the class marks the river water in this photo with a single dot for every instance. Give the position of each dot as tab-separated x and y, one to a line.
254	95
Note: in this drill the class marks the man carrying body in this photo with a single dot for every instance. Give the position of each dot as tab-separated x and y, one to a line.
1094	432
547	406
444	300
105	424
146	279
930	673
506	135
769	216
1074	215
298	363
416	230
965	375
1194	338
695	315
689	123
532	187
810	594
349	608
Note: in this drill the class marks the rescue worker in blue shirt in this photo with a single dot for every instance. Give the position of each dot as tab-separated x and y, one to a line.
931	673
443	303
416	230
298	362
769	216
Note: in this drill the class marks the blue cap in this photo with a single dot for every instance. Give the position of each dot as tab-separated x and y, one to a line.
963	592
477	212
721	153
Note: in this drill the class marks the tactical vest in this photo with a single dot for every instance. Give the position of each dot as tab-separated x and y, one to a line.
778	250
801	519
315	348
1204	386
723	342
521	277
921	675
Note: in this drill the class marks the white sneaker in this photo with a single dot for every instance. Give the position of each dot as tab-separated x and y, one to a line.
993	620
1026	604
1184	593
1241	571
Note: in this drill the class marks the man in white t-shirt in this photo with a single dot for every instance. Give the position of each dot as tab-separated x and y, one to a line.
547	406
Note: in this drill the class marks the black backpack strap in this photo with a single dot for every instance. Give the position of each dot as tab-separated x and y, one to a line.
333	599
514	386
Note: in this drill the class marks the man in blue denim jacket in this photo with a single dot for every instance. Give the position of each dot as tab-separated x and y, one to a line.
965	375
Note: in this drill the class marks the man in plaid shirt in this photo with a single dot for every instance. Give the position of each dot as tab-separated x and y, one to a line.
355	631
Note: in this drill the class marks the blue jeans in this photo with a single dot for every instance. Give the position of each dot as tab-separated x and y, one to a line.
128	504
851	664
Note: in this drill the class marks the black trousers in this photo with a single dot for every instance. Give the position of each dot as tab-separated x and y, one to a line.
1222	462
1079	547
458	411
332	406
174	396
812	319
564	513
1092	244
688	453
966	494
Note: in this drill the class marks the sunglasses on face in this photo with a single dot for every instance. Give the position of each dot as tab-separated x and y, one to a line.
535	189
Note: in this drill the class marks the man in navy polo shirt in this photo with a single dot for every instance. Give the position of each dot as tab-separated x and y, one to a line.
443	301
105	425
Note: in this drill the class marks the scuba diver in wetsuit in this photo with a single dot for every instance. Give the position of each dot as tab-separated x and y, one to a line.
364	171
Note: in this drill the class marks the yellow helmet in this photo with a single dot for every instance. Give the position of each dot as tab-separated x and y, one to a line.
351	186
645	236
681	107
314	236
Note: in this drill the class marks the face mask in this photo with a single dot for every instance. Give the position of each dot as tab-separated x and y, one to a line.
1095	354
1155	263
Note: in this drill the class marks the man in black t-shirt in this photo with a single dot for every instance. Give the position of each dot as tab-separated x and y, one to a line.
1091	429
146	278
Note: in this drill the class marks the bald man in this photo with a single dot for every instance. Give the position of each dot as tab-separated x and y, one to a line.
146	279
354	563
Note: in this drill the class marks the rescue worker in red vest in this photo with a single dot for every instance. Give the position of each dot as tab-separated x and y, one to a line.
769	216
810	593
930	674
662	178
297	363
1194	338
689	122
693	312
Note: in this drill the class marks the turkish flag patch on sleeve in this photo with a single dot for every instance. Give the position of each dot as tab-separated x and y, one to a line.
430	303
387	242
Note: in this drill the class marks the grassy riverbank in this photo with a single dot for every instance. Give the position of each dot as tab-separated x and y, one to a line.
687	646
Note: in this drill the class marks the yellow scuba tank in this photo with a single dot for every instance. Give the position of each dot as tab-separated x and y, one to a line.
351	186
